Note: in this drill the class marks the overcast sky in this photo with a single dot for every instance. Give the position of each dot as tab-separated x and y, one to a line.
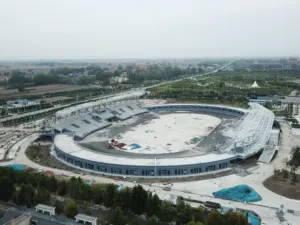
98	29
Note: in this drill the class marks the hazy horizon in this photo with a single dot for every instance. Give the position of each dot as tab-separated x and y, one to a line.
132	29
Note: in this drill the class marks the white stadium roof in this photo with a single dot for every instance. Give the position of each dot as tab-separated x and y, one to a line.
251	135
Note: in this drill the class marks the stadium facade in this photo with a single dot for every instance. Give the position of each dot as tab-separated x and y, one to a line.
249	137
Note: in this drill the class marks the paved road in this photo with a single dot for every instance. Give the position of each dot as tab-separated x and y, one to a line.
199	75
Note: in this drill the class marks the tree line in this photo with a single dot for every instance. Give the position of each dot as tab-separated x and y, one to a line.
30	188
225	88
153	73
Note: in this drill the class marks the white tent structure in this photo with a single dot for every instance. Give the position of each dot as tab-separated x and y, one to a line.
254	85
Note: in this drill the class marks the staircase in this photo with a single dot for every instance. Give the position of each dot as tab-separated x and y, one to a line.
268	153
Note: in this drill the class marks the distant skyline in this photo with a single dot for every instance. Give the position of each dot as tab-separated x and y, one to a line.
135	29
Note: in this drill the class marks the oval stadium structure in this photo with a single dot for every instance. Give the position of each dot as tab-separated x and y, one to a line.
162	141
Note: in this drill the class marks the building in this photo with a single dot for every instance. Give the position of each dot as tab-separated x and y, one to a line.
263	99
275	67
253	135
18	103
119	79
15	216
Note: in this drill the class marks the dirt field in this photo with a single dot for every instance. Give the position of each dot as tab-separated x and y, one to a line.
41	155
282	186
39	90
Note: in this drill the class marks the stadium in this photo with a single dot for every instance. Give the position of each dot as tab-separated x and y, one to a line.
130	139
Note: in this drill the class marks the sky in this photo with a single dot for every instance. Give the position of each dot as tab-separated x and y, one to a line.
108	29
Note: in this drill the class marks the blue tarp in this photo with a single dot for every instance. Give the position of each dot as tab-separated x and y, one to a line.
17	167
254	219
241	193
135	146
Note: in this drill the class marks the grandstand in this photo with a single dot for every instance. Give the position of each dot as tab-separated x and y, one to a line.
83	125
249	135
253	133
97	103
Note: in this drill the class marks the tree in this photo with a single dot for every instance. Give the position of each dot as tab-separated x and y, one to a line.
153	205
52	184
75	189
117	217
139	199
71	209
214	218
167	212
98	194
42	196
26	195
17	80
153	220
184	213
199	214
123	198
268	105
136	221
110	194
59	207
88	211
235	218
194	223
62	188
7	189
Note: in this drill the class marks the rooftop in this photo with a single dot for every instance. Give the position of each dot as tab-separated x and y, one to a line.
84	217
44	207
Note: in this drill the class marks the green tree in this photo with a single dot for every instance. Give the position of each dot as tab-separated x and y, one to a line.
71	209
195	223
139	199
62	188
99	191
26	195
7	188
167	212
199	215
88	211
136	221
153	220
235	218
184	213
117	217
59	207
214	218
268	105
123	198
52	184
75	189
42	196
110	194
153	205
